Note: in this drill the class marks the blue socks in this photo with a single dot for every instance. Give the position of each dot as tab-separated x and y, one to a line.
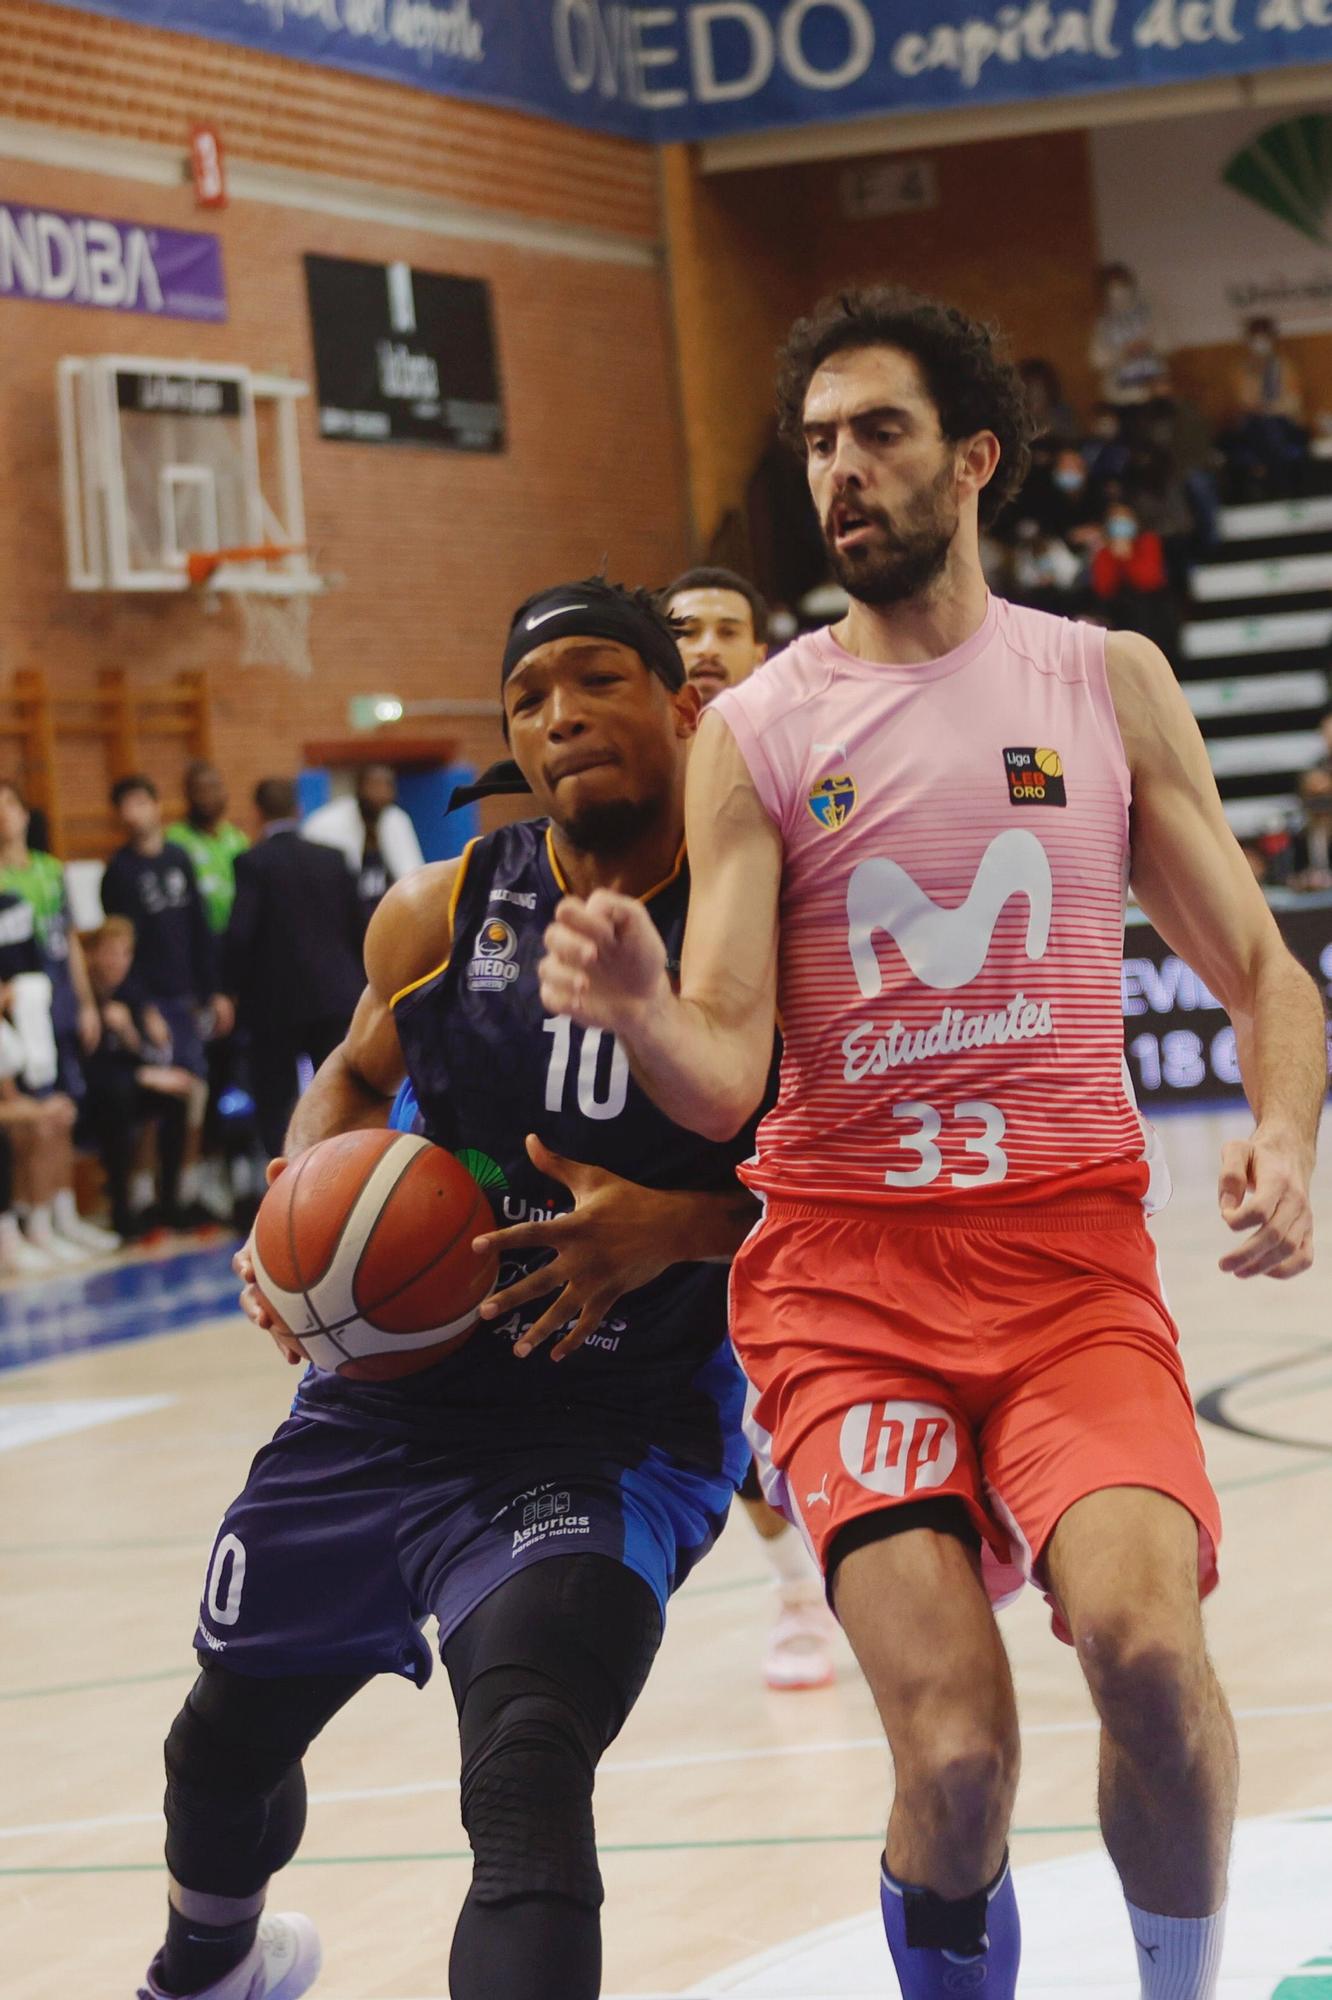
942	1948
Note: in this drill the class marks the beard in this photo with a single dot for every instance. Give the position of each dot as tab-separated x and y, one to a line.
608	826
904	560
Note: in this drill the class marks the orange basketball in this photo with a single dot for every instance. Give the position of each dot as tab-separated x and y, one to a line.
363	1250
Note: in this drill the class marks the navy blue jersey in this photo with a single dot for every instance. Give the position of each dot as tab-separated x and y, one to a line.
487	1066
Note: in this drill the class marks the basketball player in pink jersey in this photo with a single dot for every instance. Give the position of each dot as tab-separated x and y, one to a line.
913	832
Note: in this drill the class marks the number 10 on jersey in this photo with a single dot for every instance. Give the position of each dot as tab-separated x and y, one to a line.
602	1086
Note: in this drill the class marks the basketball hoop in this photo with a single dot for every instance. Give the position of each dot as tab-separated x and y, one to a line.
273	588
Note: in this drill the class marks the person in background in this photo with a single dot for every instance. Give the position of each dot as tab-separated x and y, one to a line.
151	881
1128	576
1123	347
213	842
36	1118
1052	416
39	880
210	839
1046	573
723	627
291	955
1311	856
372	833
132	1084
1267	442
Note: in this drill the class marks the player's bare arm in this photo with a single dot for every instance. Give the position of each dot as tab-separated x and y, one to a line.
703	1055
1193	882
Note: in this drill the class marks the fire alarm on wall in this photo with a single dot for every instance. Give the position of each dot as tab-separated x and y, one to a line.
210	187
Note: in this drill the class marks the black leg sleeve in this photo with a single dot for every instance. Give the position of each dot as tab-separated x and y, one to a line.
544	1673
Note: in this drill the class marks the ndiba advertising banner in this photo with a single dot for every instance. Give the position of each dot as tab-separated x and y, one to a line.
703	68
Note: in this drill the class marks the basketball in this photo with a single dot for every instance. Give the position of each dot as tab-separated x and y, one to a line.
1050	762
363	1250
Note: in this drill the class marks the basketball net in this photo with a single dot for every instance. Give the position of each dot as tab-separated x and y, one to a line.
274	623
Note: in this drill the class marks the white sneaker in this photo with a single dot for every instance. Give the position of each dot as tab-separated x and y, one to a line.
283	1964
800	1645
41	1235
86	1235
18	1257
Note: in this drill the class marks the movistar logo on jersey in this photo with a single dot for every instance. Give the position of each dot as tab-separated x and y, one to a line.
493	966
833	800
946	948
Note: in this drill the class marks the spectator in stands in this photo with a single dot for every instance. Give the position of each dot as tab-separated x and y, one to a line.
1046	574
1107	453
1123	344
1312	844
373	834
1051	414
723	627
291	956
133	1085
1128	576
1267	441
151	881
211	841
38	1119
40	880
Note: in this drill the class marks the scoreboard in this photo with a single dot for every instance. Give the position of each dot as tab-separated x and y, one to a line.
1179	1044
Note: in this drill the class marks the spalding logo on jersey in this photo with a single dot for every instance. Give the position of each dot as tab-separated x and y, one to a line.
492	967
1035	778
833	800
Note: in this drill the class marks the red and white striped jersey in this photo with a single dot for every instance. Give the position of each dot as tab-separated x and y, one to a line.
952	905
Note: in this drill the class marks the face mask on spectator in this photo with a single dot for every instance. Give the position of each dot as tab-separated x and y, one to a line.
1121	528
1069	478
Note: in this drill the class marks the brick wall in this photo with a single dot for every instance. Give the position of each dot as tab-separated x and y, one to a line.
434	548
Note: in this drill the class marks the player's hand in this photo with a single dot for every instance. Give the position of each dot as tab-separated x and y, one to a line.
609	1243
252	1301
89	1027
1264	1188
605	960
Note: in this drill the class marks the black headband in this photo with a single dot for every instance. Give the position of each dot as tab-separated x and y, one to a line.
571	612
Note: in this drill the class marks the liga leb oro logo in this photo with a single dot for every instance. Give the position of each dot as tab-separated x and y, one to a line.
1035	778
833	800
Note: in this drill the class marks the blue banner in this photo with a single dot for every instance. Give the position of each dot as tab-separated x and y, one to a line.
701	69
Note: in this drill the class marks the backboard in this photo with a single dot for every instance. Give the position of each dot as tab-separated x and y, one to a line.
162	459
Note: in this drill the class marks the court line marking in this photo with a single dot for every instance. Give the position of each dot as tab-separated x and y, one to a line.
634	1766
611	1847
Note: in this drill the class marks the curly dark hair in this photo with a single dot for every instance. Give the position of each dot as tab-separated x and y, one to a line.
972	382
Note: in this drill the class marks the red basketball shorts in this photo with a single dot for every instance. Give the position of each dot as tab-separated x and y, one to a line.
1018	1359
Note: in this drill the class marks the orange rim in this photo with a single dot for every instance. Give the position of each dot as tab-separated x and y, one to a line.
201	565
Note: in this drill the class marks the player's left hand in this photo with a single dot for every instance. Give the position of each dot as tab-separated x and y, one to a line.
1264	1187
609	1243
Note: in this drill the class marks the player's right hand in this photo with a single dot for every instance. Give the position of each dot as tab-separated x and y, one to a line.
605	959
252	1301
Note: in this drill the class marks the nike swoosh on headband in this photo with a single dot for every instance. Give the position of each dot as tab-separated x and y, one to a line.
558	612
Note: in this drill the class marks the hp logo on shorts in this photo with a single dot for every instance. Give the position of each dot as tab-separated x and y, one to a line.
898	1448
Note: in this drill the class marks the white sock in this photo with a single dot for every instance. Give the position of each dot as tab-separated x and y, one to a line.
1179	1958
64	1208
141	1188
189	1183
790	1560
37	1222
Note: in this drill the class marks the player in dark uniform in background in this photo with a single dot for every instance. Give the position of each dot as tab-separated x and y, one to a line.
544	1488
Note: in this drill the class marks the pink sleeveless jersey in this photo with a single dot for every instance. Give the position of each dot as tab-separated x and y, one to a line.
956	855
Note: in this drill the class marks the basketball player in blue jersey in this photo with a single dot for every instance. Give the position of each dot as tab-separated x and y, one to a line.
541	1490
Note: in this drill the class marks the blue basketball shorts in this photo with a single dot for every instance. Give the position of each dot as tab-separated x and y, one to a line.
344	1541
